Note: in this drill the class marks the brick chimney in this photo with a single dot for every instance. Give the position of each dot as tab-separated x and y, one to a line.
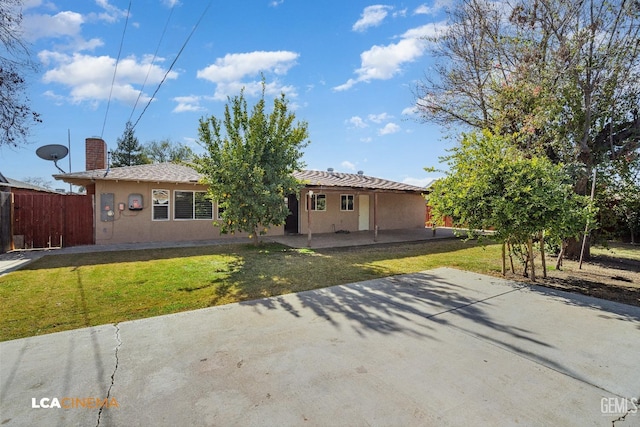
96	154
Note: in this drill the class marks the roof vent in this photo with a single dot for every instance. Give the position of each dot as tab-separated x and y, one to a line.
330	170
360	172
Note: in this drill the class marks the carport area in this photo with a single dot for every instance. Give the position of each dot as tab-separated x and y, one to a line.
440	347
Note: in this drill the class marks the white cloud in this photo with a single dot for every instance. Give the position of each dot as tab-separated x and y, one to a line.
252	89
379	118
228	72
235	66
438	5
29	4
348	165
384	62
57	99
388	129
62	24
423	9
276	3
371	16
111	13
357	121
89	77
189	103
348	85
401	13
366	139
67	24
410	111
89	45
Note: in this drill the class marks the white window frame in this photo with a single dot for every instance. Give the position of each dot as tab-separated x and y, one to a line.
349	197
219	212
193	206
314	202
155	204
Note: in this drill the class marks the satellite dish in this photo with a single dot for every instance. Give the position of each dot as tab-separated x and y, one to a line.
53	152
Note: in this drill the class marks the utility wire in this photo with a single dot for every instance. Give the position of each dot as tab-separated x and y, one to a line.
115	70
193	30
155	55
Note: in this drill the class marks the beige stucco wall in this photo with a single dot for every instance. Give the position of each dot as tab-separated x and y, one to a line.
393	211
138	226
400	210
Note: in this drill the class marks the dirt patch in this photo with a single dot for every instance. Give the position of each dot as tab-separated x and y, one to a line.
614	279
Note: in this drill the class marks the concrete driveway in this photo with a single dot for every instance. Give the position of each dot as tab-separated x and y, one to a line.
441	347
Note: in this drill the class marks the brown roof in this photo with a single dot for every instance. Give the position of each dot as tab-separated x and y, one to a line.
352	180
157	172
171	172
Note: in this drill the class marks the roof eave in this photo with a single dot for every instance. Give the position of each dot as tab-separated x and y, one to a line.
348	188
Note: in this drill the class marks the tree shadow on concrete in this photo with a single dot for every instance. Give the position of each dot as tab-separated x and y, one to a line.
418	304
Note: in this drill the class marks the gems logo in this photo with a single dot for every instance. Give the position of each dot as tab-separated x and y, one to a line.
618	406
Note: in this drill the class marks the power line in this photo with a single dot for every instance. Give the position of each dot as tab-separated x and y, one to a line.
155	55
115	70
193	30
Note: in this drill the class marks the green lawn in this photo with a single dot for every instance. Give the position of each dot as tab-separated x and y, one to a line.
617	250
62	292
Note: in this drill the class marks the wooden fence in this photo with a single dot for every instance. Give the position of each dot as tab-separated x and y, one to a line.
51	220
429	220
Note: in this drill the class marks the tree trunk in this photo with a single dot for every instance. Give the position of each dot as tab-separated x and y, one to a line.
513	270
560	255
530	256
504	258
544	261
573	248
256	236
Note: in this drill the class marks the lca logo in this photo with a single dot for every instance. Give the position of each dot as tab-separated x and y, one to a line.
73	403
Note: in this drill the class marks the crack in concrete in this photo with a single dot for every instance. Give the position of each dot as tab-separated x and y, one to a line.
113	375
635	409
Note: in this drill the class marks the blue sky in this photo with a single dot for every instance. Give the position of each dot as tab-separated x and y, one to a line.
348	68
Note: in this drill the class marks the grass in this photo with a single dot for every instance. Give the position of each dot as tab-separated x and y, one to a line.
62	292
617	250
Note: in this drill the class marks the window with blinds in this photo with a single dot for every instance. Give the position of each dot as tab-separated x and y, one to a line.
192	205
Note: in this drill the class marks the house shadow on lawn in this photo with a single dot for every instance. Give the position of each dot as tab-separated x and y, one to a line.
131	255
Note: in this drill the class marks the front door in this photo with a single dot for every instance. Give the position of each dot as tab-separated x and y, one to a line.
291	223
363	212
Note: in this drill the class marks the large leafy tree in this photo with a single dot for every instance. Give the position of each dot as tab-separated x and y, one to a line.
129	151
619	192
167	151
16	115
493	185
559	77
564	71
248	163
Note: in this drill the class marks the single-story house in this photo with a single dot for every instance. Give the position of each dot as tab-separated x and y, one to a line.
166	202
